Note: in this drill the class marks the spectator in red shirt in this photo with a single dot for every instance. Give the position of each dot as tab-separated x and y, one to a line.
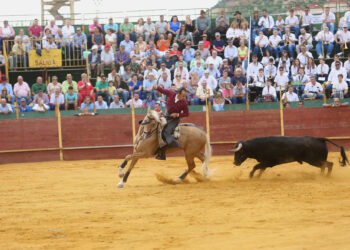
35	31
85	89
174	53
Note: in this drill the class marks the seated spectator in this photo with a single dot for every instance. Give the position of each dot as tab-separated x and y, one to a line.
22	90
227	93
85	89
148	87
40	106
117	103
149	29
6	96
269	92
182	37
121	57
57	99
5	85
135	65
162	44
328	19
204	52
202	26
342	37
218	44
293	22
174	52
43	97
92	28
214	72
5	108
138	103
71	102
164	80
39	85
142	45
53	86
23	107
69	82
261	43
107	58
50	44
100	103
222	23
281	80
225	66
198	69
253	68
6	33
290	96
225	79
243	54
127	28
325	40
68	30
188	52
197	57
274	44
234	33
289	40
97	38
102	88
322	71
340	88
169	62
114	27
210	80
203	92
87	104
304	56
300	81
304	39
270	70
215	59
94	59
190	92
206	43
313	89
178	81
239	93
63	42
183	71
135	86
161	27
128	44
311	68
139	28
174	26
335	104
219	102
238	77
231	53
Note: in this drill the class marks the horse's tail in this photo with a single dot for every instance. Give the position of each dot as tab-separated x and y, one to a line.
207	154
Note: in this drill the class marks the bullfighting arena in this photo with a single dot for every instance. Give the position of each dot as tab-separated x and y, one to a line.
75	204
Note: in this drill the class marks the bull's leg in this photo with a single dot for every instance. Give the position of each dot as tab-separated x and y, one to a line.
256	167
330	167
126	176
191	165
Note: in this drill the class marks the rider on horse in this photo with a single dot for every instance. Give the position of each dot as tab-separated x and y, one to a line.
177	107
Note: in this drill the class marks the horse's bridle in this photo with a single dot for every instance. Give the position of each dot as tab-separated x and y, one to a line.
149	121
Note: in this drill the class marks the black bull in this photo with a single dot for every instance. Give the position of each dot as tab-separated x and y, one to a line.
275	150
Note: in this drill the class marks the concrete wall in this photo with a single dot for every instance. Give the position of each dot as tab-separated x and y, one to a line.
107	130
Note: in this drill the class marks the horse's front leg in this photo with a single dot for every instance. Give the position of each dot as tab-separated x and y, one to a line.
126	175
121	166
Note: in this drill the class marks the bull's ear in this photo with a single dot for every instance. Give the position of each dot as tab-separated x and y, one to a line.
140	121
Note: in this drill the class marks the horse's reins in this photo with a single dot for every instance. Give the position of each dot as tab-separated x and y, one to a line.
144	135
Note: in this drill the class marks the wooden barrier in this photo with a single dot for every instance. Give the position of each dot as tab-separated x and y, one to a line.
110	136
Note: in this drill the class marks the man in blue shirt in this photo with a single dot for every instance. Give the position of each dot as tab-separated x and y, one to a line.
100	103
23	107
112	26
87	104
188	52
148	85
198	68
79	40
8	86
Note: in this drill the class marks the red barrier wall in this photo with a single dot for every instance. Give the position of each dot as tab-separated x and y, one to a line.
116	130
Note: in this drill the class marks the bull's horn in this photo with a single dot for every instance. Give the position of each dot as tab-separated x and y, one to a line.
236	149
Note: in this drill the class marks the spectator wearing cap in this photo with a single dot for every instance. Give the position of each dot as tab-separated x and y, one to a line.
5	108
313	89
102	88
79	41
202	25
69	82
22	90
6	33
239	93
324	39
218	43
238	77
231	53
121	57
5	85
203	92
35	31
23	107
239	19
225	66
342	37
198	68
39	85
148	85
222	23
53	86
175	52
94	59
107	58
210	80
182	37
100	103
43	96
205	53
85	89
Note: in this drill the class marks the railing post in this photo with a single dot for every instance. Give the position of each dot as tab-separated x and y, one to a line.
6	60
59	126
281	113
207	117
133	116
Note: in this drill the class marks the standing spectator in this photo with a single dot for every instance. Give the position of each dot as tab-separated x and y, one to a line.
117	103
149	29
290	96
40	106
292	21
43	97
22	90
69	82
266	23
5	85
5	108
239	19
100	103
127	43
79	42
203	92
6	33
107	58
39	85
85	89
202	25
231	53
53	86
102	88
324	40
328	19
313	89
23	107
127	28
18	58
222	23
35	31
52	27
94	60
161	27
121	57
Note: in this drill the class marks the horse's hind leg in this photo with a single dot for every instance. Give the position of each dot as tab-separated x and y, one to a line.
126	175
191	165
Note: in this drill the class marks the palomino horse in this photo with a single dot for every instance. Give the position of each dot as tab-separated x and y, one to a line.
192	141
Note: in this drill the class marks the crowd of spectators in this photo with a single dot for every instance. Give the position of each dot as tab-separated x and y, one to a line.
210	61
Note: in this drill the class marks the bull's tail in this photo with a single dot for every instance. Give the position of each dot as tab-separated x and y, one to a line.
342	152
207	154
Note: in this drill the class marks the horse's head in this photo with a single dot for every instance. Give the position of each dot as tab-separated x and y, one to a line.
151	120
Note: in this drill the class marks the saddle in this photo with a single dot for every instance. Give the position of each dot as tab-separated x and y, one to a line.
161	136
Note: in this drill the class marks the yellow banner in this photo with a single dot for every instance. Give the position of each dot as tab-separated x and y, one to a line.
48	59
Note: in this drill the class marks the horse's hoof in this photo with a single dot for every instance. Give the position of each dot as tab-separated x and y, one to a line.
120	185
177	179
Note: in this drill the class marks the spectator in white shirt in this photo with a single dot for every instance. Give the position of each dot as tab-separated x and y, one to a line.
261	43
333	76
304	39
5	108
307	20
138	103
324	39
183	71
340	88
290	96
313	89
107	58
270	70
347	66
210	80
342	37
203	91
300	80
217	60
234	32
289	42
274	44
50	43
57	98
165	81
347	17
269	92
293	22
117	103
304	56
68	29
266	23
328	18
253	68
231	53
281	79
322	71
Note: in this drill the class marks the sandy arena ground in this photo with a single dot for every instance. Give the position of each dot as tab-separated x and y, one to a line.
76	205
